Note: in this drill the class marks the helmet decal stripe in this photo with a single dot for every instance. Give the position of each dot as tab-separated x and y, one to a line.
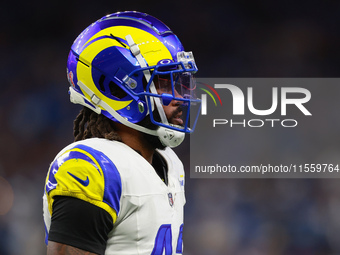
118	40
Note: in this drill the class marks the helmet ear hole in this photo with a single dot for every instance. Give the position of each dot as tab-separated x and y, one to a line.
101	82
116	91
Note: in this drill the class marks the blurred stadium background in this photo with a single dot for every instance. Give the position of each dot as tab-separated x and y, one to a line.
229	39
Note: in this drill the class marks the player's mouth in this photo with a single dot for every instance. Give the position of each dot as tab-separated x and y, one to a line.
176	117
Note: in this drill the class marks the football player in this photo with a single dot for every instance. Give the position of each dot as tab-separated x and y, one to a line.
119	188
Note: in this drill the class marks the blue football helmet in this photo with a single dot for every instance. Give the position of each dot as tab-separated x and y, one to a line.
126	66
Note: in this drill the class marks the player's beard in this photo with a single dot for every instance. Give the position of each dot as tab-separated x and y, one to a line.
153	140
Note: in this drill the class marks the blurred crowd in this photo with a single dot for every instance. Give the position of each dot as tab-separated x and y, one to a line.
229	39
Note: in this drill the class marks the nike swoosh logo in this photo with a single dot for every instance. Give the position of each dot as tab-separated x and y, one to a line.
82	182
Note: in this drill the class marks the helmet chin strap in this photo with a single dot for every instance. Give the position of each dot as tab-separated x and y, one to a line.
169	137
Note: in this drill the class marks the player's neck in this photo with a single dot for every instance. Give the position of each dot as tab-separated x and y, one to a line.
136	141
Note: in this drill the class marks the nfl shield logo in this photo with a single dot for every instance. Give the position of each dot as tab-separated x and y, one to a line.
171	201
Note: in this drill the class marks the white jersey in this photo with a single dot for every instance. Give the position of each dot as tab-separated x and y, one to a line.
147	214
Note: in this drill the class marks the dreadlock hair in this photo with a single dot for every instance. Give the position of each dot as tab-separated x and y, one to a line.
89	124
